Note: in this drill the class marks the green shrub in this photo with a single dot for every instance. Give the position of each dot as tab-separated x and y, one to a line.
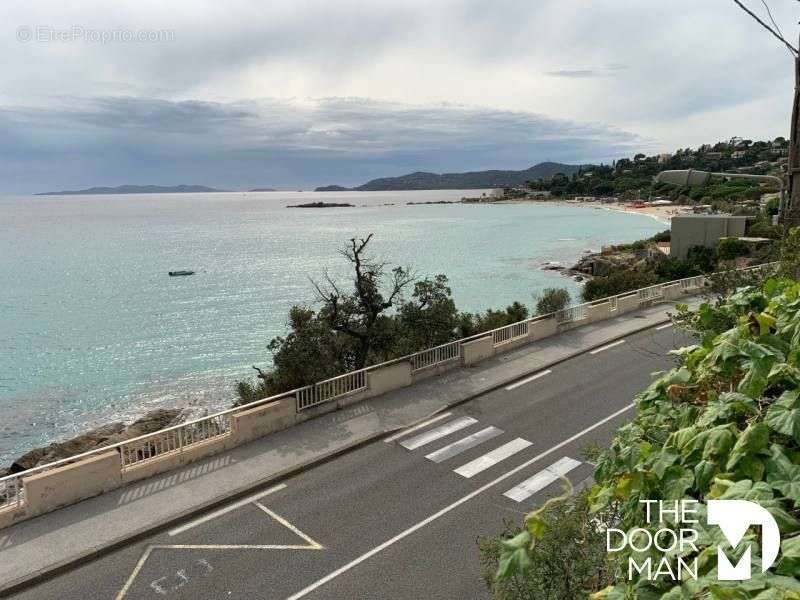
552	300
617	283
730	248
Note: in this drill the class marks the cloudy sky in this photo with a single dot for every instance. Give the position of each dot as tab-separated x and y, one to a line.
296	93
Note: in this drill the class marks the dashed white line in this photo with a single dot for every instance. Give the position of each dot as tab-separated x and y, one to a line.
607	346
405	432
225	510
457	447
437	432
542	479
490	459
414	528
664	326
514	386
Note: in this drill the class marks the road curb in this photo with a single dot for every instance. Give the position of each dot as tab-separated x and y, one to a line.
91	554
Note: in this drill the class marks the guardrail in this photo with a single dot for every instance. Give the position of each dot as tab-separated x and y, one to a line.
435	356
176	439
573	313
330	389
509	333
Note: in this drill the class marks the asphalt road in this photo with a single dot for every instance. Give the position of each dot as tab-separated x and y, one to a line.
396	519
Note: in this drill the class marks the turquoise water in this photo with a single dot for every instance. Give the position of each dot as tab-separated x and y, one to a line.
93	329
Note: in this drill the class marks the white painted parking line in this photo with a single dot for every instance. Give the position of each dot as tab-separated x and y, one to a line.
447	509
607	346
463	444
218	513
514	386
490	459
542	479
664	326
405	432
437	432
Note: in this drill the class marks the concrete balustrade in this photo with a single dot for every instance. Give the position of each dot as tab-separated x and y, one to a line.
627	303
386	379
55	487
538	330
477	350
673	291
72	483
262	420
598	312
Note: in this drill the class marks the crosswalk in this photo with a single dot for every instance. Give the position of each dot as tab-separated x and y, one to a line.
445	429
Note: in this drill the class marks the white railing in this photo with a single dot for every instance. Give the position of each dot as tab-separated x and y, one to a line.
509	333
692	282
177	438
655	292
612	303
174	440
330	389
435	356
572	314
11	491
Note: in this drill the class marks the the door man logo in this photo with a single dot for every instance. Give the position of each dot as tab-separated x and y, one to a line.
677	537
734	517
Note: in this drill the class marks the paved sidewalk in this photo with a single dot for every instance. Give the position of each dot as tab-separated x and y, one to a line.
33	548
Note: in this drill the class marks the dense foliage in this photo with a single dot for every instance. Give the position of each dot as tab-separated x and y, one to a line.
386	313
633	178
723	424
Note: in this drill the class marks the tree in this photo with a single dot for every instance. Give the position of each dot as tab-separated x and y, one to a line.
429	319
361	314
552	300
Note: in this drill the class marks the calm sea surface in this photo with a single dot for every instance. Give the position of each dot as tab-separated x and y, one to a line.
92	329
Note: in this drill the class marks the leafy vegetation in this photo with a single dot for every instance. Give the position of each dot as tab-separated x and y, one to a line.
387	313
552	300
723	424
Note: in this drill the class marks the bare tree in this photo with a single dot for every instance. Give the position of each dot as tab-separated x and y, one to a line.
359	314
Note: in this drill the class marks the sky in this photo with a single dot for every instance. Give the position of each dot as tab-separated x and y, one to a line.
294	94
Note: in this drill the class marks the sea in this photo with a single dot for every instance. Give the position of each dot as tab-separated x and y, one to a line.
93	330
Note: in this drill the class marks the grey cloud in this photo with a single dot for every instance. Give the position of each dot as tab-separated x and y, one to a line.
105	141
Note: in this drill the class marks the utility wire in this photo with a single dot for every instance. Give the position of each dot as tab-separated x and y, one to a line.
791	48
772	20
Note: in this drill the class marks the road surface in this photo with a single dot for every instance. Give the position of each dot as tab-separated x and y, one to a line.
398	518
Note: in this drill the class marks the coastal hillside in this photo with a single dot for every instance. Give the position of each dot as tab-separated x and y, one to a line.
136	189
421	180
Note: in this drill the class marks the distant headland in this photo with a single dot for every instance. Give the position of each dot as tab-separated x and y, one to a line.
136	189
471	180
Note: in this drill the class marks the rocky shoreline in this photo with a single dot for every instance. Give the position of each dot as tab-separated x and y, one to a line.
105	435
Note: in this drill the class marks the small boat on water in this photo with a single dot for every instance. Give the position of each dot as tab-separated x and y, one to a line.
180	273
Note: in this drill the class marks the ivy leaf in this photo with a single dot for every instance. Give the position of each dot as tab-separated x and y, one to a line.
676	481
784	476
704	472
784	415
751	441
789	563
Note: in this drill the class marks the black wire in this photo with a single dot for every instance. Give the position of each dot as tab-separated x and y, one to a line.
774	24
767	27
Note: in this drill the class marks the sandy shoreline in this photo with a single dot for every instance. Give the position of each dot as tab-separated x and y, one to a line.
662	214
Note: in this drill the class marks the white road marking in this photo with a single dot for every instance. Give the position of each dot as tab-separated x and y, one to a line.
310	545
437	432
490	459
463	444
607	346
414	528
400	434
225	510
664	326
514	386
289	526
542	479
